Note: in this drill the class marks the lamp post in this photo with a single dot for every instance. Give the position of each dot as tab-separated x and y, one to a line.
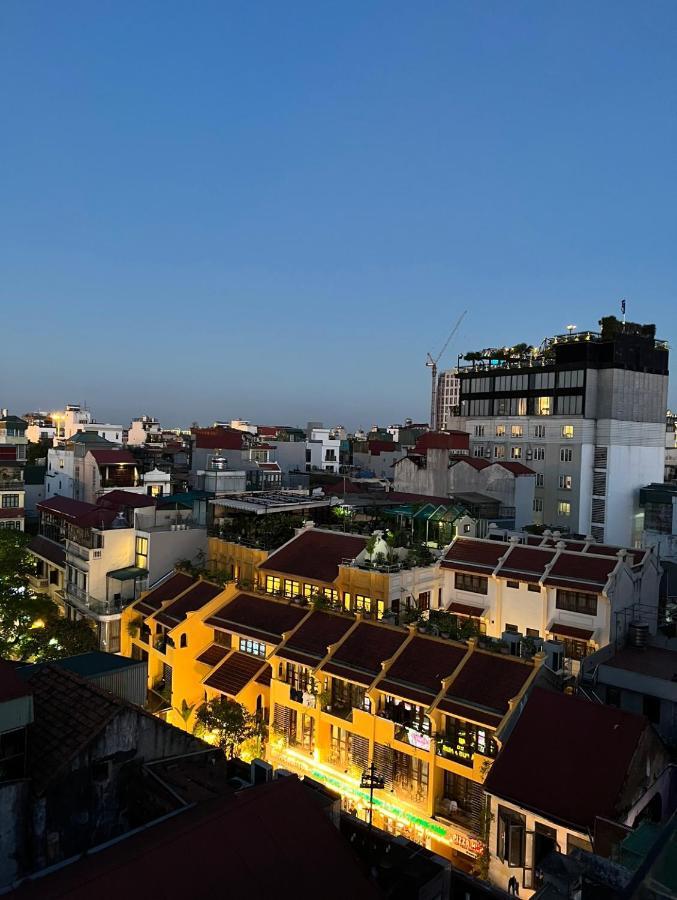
371	780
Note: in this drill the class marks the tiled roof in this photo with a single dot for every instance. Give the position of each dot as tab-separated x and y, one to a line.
526	563
195	598
66	507
579	571
465	609
517	468
489	680
234	673
584	753
309	642
315	554
176	584
105	457
473	713
68	714
443	440
257	617
635	556
119	498
360	656
49	550
470	555
265	675
218	438
581	634
475	461
423	664
212	655
12	686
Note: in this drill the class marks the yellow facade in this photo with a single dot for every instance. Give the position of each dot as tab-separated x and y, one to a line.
237	561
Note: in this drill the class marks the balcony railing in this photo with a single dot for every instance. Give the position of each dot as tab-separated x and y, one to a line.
449	809
80	597
38	582
7	485
77	550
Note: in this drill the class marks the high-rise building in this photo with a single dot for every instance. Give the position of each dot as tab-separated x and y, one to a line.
448	385
586	411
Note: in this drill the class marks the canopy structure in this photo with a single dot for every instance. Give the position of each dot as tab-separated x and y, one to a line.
442	516
125	575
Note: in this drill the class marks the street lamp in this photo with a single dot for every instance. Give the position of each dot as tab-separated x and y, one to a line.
372	781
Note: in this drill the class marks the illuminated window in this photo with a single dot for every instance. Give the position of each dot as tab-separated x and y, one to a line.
310	591
346	600
253	648
543	406
516	431
500	431
141	553
273	584
567	431
362	603
331	595
499	451
564	508
291	588
565	482
515	453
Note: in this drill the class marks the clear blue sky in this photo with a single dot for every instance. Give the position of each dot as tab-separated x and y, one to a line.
273	210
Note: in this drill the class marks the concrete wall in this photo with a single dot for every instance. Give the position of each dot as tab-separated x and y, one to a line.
166	548
290	455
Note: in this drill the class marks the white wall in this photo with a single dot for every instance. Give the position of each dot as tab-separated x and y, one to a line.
59	481
628	469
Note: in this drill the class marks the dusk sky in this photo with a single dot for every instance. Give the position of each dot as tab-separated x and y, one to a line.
274	210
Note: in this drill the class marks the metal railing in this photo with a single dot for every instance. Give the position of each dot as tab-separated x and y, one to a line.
7	485
77	550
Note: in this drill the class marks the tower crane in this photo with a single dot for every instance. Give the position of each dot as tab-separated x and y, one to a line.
432	365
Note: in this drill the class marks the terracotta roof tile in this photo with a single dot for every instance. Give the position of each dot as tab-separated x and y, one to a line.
364	650
212	655
234	673
49	550
580	634
176	584
195	598
318	631
465	609
584	753
470	555
257	617
463	711
489	680
424	662
579	571
526	564
315	554
106	457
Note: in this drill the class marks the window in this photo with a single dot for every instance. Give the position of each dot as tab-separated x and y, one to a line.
563	508
478	450
535	589
499	451
141	552
253	648
362	603
10	501
61	464
513	584
479	430
511	837
517	431
513	629
500	431
570	405
537	504
12	524
291	588
565	482
222	638
566	454
476	584
346	601
423	600
273	584
570	379
515	453
184	640
577	601
539	479
539	431
331	594
539	453
573	649
543	406
533	632
567	431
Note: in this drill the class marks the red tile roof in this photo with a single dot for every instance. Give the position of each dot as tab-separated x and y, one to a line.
65	506
526	563
195	598
377	447
176	584
49	550
309	642
212	655
265	675
218	438
635	556
470	555
443	440
517	468
475	461
465	609
489	680
360	656
234	673
258	617
581	634
584	753
579	571
118	499
423	664
105	457
315	554
226	835
472	713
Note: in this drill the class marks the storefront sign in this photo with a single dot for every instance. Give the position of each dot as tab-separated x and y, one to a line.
418	740
465	844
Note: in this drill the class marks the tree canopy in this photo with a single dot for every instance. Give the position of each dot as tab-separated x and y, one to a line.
227	722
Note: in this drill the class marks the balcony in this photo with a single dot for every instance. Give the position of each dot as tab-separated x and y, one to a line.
449	810
8	485
38	582
79	597
77	550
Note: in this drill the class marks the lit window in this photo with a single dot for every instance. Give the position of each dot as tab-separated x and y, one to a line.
141	553
291	588
500	431
499	451
543	406
273	584
517	431
515	453
253	648
564	508
567	431
565	482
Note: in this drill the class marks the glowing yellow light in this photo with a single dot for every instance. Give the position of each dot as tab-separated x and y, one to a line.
39	623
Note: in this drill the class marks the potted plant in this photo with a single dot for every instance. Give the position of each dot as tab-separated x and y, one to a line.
324	698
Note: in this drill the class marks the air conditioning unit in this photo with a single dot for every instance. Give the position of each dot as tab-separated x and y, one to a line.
554	655
513	639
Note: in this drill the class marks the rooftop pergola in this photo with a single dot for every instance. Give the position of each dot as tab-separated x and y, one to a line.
262	503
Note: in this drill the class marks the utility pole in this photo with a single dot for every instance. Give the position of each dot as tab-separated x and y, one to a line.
370	779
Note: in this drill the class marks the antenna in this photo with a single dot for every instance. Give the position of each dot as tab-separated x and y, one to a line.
432	365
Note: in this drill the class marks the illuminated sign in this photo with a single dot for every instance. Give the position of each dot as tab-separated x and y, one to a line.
473	846
418	740
462	751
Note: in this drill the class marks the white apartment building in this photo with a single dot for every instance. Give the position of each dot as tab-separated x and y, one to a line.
74	419
448	392
586	412
143	430
580	594
322	450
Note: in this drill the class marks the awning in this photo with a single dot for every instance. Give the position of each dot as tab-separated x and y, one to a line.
570	631
128	573
464	609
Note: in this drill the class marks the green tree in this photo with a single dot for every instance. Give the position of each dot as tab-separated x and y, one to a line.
58	638
227	721
20	607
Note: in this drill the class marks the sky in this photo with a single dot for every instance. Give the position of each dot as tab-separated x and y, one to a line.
275	210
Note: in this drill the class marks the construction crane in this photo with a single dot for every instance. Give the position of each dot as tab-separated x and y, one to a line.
432	364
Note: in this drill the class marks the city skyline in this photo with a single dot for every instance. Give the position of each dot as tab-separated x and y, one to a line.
291	211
